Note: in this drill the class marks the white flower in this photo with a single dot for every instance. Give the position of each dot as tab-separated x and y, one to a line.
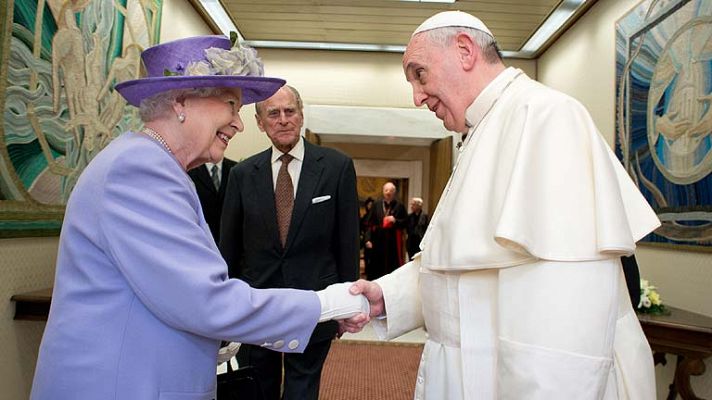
649	296
199	68
239	60
646	302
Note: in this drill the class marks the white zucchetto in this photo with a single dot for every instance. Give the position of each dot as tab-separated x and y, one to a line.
452	18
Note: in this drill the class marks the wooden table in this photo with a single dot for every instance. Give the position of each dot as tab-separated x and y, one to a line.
682	333
686	335
32	306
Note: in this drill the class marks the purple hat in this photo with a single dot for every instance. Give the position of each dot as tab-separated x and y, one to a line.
200	62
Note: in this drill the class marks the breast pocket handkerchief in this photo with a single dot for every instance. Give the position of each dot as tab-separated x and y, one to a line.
321	199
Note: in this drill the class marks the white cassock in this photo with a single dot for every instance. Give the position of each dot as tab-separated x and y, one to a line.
519	284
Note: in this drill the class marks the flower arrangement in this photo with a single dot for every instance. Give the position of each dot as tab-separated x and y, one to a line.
650	302
239	60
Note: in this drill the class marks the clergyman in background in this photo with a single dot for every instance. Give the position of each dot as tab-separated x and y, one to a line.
385	238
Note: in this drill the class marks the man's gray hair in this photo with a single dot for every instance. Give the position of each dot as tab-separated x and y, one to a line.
297	97
418	201
161	104
444	36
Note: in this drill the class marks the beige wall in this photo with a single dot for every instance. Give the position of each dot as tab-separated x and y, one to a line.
25	264
582	64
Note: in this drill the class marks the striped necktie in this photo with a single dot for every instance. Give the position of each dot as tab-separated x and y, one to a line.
215	176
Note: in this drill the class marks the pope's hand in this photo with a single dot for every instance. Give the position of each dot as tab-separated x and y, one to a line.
373	292
338	303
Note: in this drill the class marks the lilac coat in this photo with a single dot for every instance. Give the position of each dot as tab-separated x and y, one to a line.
141	296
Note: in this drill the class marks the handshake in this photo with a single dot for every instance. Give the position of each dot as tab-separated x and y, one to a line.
352	304
338	303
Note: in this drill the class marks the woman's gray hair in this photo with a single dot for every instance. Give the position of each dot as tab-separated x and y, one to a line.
161	104
444	36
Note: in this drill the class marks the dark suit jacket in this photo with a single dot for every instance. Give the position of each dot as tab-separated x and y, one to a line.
322	244
211	200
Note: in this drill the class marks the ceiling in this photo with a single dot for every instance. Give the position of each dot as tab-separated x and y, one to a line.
383	23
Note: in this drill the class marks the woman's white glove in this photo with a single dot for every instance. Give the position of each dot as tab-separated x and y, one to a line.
227	352
337	303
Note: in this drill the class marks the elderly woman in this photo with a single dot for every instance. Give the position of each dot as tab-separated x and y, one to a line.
141	297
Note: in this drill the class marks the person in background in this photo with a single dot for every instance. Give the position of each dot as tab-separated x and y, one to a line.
519	283
416	225
141	295
385	239
290	220
210	182
366	227
632	278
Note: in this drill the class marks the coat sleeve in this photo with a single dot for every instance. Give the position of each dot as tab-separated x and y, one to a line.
370	218
401	216
152	234
401	294
347	225
231	224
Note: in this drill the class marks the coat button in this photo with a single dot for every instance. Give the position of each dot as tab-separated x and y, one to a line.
293	344
278	344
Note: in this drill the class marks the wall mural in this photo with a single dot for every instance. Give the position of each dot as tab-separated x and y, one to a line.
664	114
58	64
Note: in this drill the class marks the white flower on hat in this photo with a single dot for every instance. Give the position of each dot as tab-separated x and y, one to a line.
199	68
239	60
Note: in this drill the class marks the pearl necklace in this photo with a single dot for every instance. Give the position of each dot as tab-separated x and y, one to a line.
150	132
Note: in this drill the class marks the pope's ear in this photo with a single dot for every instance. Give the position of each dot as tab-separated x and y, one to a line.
467	50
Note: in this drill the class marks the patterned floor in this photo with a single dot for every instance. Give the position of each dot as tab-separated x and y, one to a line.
363	370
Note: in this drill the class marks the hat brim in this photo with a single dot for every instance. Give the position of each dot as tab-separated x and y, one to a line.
254	88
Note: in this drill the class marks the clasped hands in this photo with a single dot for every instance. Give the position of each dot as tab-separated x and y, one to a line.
352	304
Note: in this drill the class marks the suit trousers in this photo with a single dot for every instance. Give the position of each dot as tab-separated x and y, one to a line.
302	372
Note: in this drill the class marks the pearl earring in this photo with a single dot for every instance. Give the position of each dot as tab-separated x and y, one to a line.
181	118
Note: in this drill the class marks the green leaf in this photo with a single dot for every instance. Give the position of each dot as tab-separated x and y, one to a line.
233	38
167	72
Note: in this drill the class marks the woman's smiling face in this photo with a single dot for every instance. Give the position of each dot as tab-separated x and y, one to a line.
209	125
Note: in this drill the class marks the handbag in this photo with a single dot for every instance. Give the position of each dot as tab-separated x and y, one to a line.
239	384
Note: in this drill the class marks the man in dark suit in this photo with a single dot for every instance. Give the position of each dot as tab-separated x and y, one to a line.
210	183
290	220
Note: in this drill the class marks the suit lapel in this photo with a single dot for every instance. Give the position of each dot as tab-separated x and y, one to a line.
264	193
204	177
224	175
308	181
